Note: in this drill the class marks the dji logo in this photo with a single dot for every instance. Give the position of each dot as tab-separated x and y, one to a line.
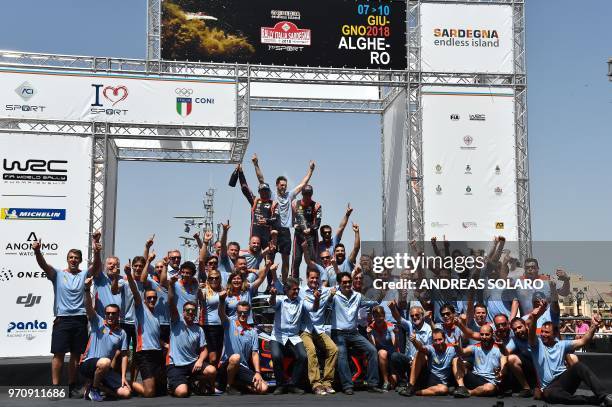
29	300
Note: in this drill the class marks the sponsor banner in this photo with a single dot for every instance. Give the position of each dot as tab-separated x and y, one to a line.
117	99
341	33
467	38
469	183
45	196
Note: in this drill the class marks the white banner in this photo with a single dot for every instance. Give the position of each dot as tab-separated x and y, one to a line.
469	171
117	99
45	194
467	38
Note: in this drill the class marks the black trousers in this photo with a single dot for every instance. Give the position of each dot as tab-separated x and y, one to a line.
562	389
400	366
298	352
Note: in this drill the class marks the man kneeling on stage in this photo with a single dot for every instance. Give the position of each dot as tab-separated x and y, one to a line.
434	380
240	351
558	383
187	354
489	367
106	341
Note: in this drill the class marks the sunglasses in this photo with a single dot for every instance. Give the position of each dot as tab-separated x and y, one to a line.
325	257
415	316
345	282
242	312
110	314
214	278
213	262
326	232
175	257
190	310
446	314
151	298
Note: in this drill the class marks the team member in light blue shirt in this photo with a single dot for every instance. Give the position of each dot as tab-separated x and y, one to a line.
519	359
187	354
286	341
489	367
148	356
345	308
240	360
558	383
103	293
209	315
315	336
70	325
402	362
346	264
329	243
438	358
452	332
106	341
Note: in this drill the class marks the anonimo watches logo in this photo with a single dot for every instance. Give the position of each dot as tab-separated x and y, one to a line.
24	248
35	170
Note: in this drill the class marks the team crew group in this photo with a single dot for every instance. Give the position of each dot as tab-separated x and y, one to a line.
191	325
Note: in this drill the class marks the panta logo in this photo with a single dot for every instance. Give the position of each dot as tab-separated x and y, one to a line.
35	170
32	214
113	94
499	225
25	329
28	300
25	91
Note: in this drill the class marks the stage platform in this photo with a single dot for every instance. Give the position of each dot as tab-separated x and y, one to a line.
36	371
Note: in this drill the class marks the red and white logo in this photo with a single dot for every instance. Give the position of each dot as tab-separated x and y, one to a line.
285	33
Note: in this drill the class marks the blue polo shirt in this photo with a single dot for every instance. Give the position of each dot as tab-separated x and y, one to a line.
162	309
549	361
345	311
314	321
486	362
186	342
147	328
453	336
69	290
185	292
210	313
128	315
103	342
239	340
287	319
104	294
440	364
423	334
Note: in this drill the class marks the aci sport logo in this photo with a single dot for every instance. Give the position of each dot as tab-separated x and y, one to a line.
32	214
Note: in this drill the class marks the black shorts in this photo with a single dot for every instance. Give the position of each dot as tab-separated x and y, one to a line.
427	379
130	331
472	380
164	333
244	377
149	362
178	375
69	335
510	382
263	233
283	241
111	379
214	338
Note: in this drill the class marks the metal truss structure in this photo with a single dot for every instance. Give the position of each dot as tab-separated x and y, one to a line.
145	142
417	79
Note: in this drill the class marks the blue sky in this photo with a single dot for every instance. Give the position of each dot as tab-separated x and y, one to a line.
570	124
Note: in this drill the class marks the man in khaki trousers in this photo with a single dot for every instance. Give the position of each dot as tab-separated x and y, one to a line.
314	336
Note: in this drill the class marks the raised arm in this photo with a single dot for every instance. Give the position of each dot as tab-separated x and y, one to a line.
467	332
579	343
40	259
198	240
89	309
434	246
148	245
258	172
135	293
203	254
305	180
96	268
225	227
174	314
163	277
145	273
221	308
417	344
344	221
245	187
356	246
533	321
261	276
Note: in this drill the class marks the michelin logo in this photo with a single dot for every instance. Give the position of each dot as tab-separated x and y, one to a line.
32	214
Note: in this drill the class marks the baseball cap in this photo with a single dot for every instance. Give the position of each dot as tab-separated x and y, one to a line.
264	186
307	189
